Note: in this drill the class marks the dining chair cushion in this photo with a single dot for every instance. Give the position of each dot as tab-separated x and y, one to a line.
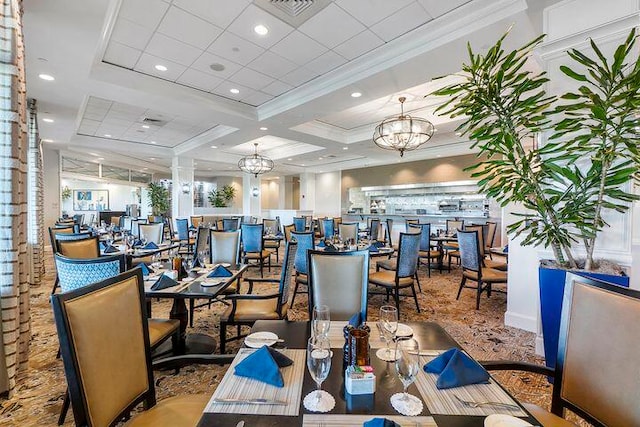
174	411
496	265
545	418
252	310
388	278
451	245
159	329
302	278
429	254
258	255
387	264
272	244
454	254
79	249
489	275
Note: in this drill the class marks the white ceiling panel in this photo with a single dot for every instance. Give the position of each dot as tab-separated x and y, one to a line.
277	88
401	22
326	62
147	13
274	147
300	75
235	48
131	34
437	8
188	28
332	26
272	65
165	47
219	12
203	63
299	48
199	80
257	98
358	45
251	79
224	89
146	64
122	55
250	17
375	10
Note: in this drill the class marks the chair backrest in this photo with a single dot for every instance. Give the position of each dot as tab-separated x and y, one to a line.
408	222
374	229
328	227
152	232
596	369
74	273
408	253
491	234
135	226
197	220
182	227
126	223
337	220
230	224
104	342
305	243
271	224
425	235
348	231
202	242
480	229
54	231
115	220
339	280
252	237
169	227
78	219
454	224
92	219
285	275
299	224
153	219
80	248
468	242
225	246
308	221
287	232
389	230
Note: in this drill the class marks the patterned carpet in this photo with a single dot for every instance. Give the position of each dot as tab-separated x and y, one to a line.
482	333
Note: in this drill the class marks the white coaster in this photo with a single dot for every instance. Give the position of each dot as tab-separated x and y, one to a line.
411	407
388	355
326	403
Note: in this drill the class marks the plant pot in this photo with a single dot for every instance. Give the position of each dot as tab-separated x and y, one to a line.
551	294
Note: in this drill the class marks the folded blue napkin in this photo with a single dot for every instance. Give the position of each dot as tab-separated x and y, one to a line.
356	320
137	243
196	262
163	282
116	228
456	369
279	234
380	422
373	248
378	244
261	365
192	228
103	246
505	249
110	249
220	271
321	244
146	270
150	245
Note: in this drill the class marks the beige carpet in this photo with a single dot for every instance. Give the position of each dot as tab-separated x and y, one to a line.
482	333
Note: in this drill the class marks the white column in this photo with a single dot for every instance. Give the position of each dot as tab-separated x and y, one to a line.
307	191
251	204
182	176
282	196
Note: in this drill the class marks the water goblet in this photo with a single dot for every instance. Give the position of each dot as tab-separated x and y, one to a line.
387	325
321	321
407	367
319	365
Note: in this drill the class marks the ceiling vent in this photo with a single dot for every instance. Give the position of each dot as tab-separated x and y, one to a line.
293	12
153	122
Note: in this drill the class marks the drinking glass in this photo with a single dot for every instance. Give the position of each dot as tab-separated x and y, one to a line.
319	365
407	367
321	321
202	258
143	241
388	325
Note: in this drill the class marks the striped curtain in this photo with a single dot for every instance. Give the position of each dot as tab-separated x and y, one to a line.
14	286
35	203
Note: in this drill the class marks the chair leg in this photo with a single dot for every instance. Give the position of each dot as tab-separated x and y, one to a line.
415	298
55	285
396	295
65	408
488	290
295	291
261	267
462	282
429	266
418	282
223	337
478	294
449	268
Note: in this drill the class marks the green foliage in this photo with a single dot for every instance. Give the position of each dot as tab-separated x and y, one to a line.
65	194
223	197
565	184
158	198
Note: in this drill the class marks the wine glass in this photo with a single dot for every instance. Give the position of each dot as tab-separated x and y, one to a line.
321	321
130	240
143	241
319	365
202	258
407	367
387	325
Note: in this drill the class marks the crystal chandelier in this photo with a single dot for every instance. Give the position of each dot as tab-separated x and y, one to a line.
402	133
255	163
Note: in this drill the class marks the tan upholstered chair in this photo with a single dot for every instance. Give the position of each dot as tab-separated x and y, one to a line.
115	220
287	232
339	281
104	340
272	245
482	231
152	232
196	221
88	247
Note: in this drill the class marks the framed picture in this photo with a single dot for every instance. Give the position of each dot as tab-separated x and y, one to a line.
90	200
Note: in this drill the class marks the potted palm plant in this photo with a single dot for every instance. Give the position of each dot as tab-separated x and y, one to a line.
580	173
158	199
221	198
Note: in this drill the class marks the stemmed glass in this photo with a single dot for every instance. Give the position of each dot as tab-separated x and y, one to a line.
407	367
321	321
202	258
319	365
387	325
143	241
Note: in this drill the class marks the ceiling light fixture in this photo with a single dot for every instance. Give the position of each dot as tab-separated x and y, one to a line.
160	67
47	120
345	148
234	91
402	133
153	142
264	128
255	163
47	140
214	146
261	30
145	126
107	135
46	77
356	95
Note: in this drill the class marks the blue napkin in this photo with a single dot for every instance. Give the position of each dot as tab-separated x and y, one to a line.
262	366
103	246
110	249
150	245
380	422
138	242
220	271
192	228
279	234
456	369
116	228
505	249
321	244
146	270
373	248
196	262
163	282
355	320
378	244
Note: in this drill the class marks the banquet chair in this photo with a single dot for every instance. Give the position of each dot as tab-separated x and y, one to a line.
253	246
374	229
126	223
451	226
392	281
54	232
425	247
272	245
182	227
305	242
482	231
327	227
287	232
472	267
135	225
152	232
197	220
115	220
409	221
348	231
339	281
225	248
248	308
308	222
490	237
202	247
231	224
299	224
588	380
104	338
78	246
390	264
78	219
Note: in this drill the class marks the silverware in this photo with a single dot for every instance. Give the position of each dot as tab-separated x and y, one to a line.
426	352
474	404
264	339
240	423
258	401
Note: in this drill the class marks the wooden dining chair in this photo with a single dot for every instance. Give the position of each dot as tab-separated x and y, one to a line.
185	240
287	232
106	351
197	220
272	245
78	245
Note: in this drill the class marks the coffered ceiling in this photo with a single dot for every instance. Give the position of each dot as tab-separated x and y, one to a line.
141	81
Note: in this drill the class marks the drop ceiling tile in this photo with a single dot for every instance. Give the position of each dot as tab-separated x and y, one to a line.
132	110
94	113
251	79
117	121
299	48
272	65
218	12
131	34
375	10
235	48
359	45
199	80
121	55
257	98
146	64
437	8
326	62
245	23
188	28
277	88
147	13
225	87
331	26
173	50
401	22
203	63
300	76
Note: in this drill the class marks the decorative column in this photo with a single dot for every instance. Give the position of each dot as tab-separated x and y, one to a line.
182	195
307	191
35	198
251	203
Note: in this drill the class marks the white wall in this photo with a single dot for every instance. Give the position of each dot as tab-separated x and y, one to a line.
120	195
270	194
327	194
51	187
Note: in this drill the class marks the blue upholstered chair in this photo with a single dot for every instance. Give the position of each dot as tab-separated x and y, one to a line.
392	281
253	246
273	245
230	224
305	243
426	253
374	229
75	273
182	227
299	224
328	228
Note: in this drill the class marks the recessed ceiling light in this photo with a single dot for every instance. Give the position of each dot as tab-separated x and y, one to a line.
458	133
100	158
94	154
152	158
345	148
356	95
160	67
302	164
214	146
289	159
319	158
107	135
153	142
47	140
48	120
145	126
264	128
234	91
46	77
216	66
261	30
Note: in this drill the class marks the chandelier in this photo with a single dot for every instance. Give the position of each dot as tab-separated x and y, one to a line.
255	163
402	133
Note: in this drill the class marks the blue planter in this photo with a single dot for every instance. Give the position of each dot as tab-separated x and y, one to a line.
551	293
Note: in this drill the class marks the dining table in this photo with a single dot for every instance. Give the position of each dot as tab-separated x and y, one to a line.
441	240
439	408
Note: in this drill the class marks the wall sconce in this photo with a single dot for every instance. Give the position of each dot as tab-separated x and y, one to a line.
255	192
186	187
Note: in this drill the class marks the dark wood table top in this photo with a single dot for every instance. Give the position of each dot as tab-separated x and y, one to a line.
295	334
